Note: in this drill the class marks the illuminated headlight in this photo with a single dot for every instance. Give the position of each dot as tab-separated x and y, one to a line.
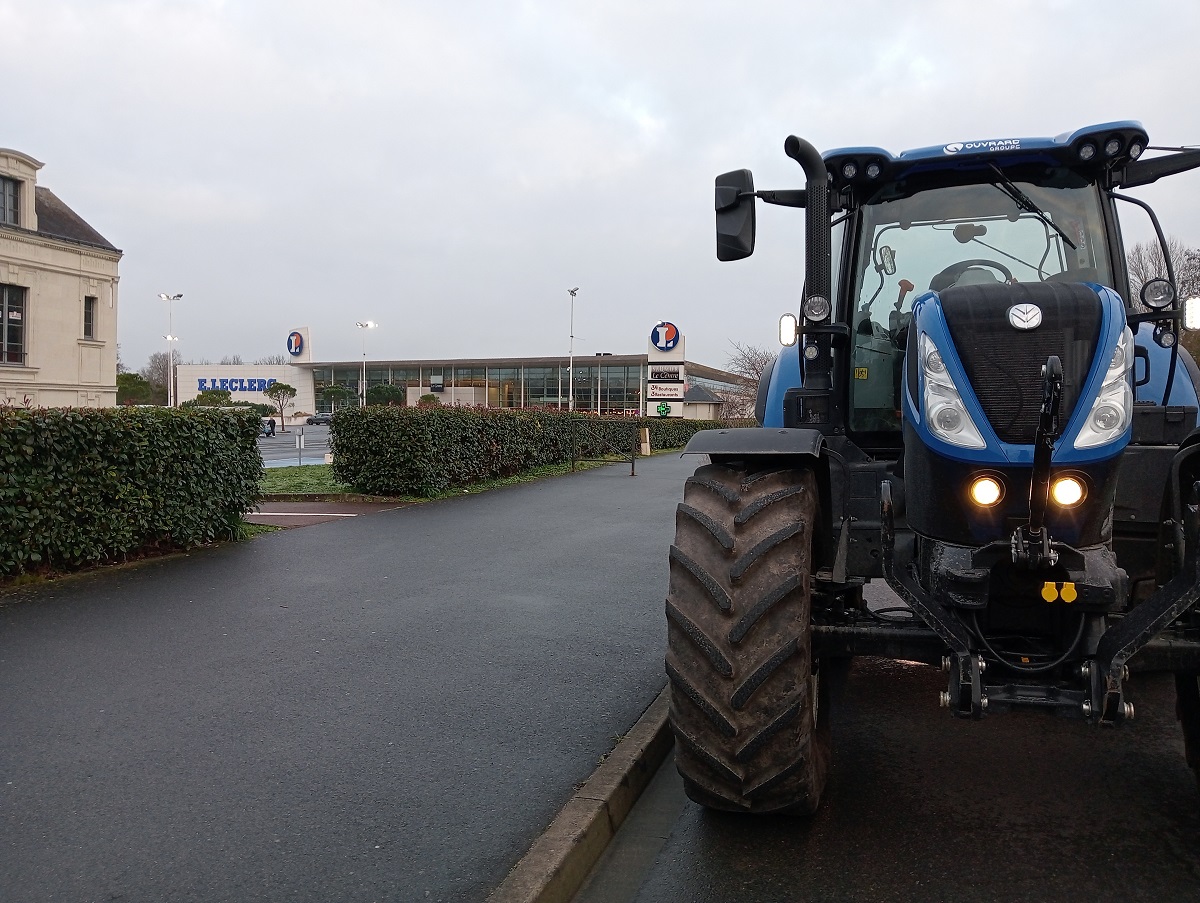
944	409
1067	491
816	308
1112	146
1086	152
1191	313
986	491
789	330
849	170
1113	407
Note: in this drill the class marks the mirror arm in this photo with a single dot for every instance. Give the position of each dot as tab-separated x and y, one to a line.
795	198
1144	172
1154	316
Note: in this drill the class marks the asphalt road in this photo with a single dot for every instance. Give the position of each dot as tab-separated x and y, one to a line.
388	707
280	450
924	807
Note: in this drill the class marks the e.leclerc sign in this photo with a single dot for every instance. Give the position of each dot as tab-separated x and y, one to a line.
235	384
664	336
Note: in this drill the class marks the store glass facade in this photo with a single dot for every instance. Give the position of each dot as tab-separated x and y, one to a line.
610	387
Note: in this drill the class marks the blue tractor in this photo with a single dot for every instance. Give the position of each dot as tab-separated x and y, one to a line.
971	406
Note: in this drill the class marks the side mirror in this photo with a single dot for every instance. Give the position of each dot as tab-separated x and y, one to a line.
887	260
735	215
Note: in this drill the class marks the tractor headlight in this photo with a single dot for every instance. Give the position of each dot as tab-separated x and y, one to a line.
1113	407
1067	491
986	491
1191	313
944	409
789	330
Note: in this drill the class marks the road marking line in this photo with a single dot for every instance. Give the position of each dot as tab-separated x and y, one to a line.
296	514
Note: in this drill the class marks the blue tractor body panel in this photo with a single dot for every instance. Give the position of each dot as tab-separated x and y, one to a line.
928	319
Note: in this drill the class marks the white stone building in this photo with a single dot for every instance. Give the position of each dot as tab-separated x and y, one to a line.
58	297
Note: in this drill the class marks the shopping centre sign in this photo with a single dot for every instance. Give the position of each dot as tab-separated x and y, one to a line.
235	384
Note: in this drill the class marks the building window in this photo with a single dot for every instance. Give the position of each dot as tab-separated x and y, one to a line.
12	324
10	191
89	317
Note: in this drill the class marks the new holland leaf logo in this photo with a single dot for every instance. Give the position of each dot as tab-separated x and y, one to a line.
1025	316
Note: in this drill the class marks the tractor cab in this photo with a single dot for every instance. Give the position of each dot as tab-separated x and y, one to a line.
913	239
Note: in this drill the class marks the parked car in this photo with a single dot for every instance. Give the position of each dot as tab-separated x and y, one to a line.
321	419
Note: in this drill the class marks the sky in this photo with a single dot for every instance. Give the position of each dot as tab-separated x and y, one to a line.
449	170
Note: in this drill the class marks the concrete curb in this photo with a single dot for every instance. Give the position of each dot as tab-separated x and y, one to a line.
558	862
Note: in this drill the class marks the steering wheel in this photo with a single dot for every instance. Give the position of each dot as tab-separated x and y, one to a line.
954	272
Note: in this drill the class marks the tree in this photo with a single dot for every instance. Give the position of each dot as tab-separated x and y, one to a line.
155	371
387	394
334	394
1145	261
132	388
213	398
749	362
281	394
232	359
273	359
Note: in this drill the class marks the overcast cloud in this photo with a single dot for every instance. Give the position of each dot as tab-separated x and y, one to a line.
449	170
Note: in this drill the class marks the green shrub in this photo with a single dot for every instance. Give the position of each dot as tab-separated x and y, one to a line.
424	451
84	486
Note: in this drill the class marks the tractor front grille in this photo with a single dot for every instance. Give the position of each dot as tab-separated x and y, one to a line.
1004	364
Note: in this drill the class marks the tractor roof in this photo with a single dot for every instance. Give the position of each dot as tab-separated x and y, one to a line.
1091	151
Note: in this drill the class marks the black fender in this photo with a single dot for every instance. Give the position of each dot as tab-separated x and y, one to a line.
740	442
777	445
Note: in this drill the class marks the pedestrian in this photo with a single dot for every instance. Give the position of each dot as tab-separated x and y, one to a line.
271	427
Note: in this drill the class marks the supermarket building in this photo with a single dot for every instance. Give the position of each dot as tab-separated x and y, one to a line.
659	383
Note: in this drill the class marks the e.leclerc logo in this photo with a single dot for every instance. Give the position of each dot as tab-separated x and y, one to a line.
295	344
664	336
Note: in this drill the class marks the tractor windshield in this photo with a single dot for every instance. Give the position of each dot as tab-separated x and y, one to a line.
915	241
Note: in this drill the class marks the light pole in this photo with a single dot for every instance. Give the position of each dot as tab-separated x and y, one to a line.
170	337
571	355
364	326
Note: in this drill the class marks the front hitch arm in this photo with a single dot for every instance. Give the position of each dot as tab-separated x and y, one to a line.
1031	543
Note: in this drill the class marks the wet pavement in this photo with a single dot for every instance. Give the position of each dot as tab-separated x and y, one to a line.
308	513
381	707
921	806
300	445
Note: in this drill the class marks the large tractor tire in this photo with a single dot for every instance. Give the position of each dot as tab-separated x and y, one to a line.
748	709
1187	711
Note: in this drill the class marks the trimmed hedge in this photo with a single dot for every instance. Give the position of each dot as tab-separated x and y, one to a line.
426	451
81	486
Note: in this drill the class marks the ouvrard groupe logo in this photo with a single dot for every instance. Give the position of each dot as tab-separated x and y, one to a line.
1000	144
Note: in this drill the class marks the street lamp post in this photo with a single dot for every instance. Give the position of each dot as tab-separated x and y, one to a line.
364	326
571	355
170	337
